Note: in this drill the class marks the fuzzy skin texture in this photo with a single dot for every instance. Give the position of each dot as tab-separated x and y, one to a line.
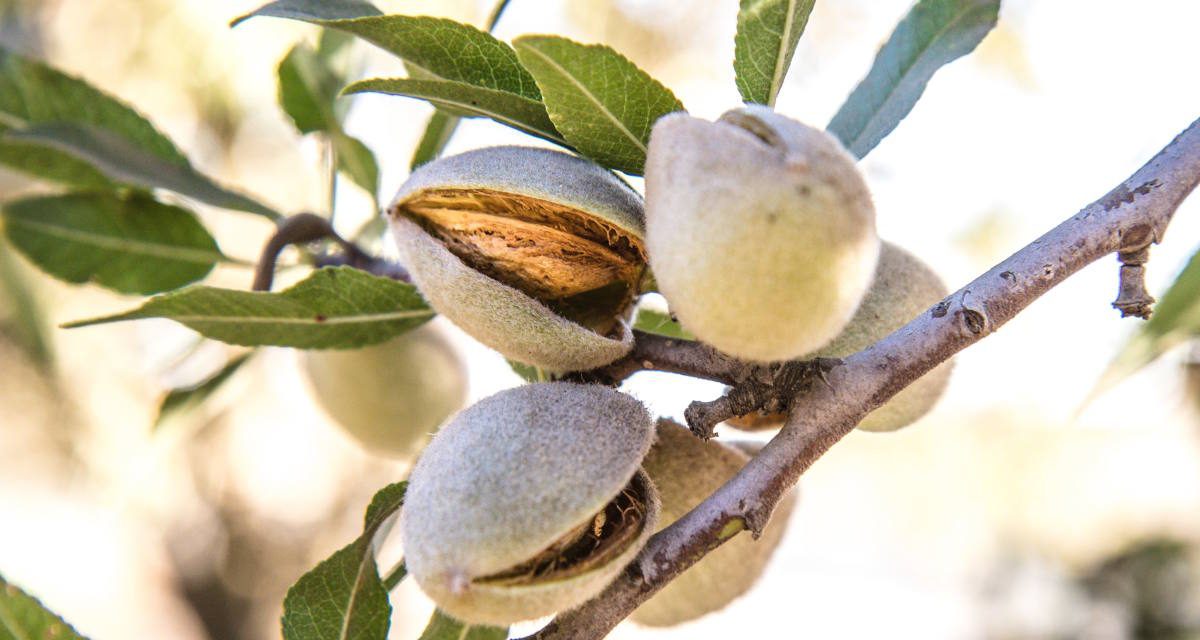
509	476
686	470
760	230
904	287
545	174
390	397
498	315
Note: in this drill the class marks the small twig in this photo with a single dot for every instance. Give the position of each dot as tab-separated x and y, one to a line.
653	352
302	228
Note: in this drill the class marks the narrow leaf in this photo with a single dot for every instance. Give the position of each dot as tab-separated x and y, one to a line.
443	627
334	308
131	244
601	103
458	98
1176	320
767	34
22	617
33	93
934	33
357	161
343	598
309	10
180	401
438	131
122	160
660	323
442	49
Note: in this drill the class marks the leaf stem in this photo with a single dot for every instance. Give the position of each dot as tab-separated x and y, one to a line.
394	576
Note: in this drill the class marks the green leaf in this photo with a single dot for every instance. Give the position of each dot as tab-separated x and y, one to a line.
22	617
122	160
438	131
767	33
308	90
458	98
357	161
528	372
334	308
183	400
597	99
22	316
442	125
442	49
660	323
309	10
32	93
443	627
1176	320
343	597
934	33
131	244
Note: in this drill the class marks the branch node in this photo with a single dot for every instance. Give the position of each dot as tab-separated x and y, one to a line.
1132	297
767	388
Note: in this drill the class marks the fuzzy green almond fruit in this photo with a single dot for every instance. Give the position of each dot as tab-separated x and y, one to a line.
903	288
392	396
535	253
760	229
529	502
686	470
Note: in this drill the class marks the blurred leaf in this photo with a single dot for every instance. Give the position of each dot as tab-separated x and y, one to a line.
333	308
124	161
332	43
357	161
528	372
343	598
26	326
180	401
443	627
433	142
933	34
660	323
1176	320
767	33
308	89
22	617
597	99
461	99
442	49
32	93
131	244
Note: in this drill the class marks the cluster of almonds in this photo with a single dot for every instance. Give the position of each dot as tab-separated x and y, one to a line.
760	233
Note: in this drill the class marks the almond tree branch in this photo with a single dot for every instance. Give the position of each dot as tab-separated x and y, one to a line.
1124	221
